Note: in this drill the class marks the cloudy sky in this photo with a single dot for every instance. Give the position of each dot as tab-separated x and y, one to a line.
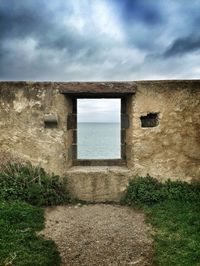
99	110
70	40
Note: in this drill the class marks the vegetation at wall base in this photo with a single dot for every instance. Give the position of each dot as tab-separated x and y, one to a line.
148	190
21	187
173	209
33	185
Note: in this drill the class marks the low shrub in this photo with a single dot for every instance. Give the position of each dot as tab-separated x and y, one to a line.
181	191
142	190
148	190
32	184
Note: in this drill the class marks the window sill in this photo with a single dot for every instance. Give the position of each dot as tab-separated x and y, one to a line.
99	169
97	162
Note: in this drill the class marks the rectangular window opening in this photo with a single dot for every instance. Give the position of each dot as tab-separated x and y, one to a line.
98	129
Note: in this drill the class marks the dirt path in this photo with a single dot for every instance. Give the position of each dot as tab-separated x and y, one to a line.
99	234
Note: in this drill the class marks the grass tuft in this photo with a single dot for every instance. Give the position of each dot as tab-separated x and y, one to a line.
32	184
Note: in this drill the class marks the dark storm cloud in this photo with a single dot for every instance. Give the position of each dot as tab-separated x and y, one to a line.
146	12
35	19
183	45
19	20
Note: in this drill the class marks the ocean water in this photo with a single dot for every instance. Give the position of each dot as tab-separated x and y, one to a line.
99	140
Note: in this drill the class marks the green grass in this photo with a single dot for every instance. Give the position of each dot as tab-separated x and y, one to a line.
173	209
177	232
19	244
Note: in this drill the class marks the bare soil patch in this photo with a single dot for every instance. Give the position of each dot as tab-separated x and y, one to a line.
99	234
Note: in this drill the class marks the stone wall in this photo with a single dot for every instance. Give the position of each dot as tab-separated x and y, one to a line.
169	150
23	107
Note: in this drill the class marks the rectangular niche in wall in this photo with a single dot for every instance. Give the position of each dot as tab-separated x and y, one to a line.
50	121
150	120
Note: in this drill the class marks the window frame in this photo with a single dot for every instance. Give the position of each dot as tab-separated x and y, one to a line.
72	124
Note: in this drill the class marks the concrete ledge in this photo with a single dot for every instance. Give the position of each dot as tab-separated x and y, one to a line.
98	183
99	162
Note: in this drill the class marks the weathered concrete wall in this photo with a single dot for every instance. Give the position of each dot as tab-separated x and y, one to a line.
23	107
169	150
172	149
98	183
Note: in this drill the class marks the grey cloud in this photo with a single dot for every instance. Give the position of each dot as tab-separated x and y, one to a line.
183	45
99	110
18	19
67	45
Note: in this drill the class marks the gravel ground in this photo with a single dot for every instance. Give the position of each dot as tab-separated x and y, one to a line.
100	234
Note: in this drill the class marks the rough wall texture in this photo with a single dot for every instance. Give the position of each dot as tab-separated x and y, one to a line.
169	150
172	149
98	183
23	107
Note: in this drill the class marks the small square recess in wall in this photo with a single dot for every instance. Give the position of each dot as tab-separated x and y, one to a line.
150	120
50	121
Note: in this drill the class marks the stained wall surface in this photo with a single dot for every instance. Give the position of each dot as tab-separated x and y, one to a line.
169	150
23	107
